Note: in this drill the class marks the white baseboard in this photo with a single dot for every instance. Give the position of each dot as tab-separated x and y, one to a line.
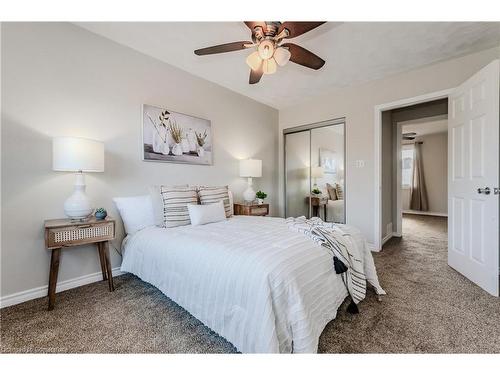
428	213
41	291
372	247
387	238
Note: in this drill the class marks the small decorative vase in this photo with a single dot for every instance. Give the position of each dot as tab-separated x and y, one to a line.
165	150
101	215
177	149
260	201
192	141
185	145
200	151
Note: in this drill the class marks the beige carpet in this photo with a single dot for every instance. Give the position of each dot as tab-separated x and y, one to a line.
429	308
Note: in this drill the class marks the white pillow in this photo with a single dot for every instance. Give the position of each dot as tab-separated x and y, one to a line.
136	212
206	213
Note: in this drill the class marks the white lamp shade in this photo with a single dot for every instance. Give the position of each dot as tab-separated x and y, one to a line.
282	55
250	168
317	172
71	154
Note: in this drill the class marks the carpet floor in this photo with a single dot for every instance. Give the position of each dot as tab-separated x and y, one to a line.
430	308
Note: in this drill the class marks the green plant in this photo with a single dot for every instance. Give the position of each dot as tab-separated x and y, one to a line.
316	191
261	195
175	131
201	138
100	210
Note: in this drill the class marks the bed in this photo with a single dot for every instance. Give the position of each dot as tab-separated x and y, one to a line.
261	286
335	210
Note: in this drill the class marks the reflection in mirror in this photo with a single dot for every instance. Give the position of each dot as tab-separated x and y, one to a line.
315	172
327	166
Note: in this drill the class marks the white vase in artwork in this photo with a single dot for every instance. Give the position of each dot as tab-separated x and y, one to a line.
165	149
159	135
185	144
191	137
177	149
200	151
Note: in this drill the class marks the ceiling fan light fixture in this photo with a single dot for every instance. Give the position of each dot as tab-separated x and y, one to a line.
266	49
282	56
269	66
254	61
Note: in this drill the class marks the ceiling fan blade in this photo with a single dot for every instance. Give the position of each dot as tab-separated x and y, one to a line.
255	75
304	57
221	48
298	28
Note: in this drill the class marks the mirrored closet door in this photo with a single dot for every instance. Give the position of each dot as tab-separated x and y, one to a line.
315	171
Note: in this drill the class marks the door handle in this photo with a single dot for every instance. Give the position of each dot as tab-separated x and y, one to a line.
485	190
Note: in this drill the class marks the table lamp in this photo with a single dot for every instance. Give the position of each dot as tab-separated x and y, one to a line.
250	168
317	172
72	154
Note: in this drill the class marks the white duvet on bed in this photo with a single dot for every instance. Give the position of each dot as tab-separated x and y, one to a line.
250	279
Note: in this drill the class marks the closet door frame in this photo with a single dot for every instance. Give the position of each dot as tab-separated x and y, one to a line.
308	128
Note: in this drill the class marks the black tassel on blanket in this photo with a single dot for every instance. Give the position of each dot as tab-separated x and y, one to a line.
339	266
352	308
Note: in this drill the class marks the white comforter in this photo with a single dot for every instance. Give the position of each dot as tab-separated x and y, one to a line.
250	279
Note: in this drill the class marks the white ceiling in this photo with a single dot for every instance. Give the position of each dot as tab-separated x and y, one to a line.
438	124
354	52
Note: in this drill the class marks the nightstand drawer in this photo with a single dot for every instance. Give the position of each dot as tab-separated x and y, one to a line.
257	211
74	235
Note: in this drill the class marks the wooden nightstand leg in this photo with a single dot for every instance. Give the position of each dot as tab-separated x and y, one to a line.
105	245
54	270
102	259
326	217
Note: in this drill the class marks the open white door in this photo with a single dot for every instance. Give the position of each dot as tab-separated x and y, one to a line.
473	178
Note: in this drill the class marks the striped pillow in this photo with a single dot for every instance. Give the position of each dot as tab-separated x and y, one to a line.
213	194
175	201
340	192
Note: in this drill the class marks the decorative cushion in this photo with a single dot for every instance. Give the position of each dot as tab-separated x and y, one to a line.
157	200
206	213
136	212
332	192
340	192
212	194
175	205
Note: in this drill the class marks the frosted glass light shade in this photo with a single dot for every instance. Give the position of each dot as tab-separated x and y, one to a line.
317	172
72	154
250	168
269	66
254	61
282	55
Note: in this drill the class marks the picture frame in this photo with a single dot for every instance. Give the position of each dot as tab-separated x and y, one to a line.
174	137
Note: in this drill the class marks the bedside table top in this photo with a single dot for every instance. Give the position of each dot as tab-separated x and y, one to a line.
59	223
251	204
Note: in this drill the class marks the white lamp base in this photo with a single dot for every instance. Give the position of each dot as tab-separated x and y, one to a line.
78	205
249	193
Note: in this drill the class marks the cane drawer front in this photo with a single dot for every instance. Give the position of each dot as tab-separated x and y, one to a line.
260	210
80	234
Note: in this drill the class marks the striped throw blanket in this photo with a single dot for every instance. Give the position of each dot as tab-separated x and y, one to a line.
347	260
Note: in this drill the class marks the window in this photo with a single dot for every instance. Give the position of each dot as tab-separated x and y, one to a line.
407	167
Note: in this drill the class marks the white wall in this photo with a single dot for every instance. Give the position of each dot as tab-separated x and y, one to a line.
59	79
357	104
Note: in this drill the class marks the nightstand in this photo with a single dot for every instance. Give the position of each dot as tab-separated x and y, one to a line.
316	203
251	209
63	233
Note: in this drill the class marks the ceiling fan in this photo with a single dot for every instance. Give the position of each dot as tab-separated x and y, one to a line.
409	136
268	38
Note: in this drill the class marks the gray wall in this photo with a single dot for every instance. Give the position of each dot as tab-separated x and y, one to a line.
59	79
357	104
